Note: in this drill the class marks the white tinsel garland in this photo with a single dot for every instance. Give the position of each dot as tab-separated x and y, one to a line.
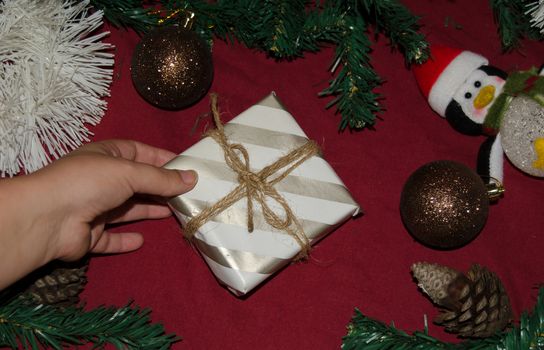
536	10
53	74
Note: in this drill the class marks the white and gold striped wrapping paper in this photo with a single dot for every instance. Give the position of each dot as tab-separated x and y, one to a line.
239	259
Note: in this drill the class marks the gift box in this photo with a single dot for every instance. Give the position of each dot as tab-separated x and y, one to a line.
313	192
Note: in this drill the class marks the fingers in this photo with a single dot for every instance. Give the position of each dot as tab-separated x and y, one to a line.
113	243
101	176
132	211
131	150
142	170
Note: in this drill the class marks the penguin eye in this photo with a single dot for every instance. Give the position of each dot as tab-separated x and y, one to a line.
477	83
468	95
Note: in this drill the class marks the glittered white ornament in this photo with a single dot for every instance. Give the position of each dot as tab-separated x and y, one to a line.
53	74
522	135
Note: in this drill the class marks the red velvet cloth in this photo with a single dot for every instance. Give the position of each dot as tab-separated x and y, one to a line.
366	262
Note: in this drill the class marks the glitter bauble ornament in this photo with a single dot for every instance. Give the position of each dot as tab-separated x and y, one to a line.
172	67
522	135
444	204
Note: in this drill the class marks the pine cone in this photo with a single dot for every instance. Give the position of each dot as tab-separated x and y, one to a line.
474	305
58	283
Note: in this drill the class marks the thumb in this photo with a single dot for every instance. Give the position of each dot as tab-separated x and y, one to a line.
148	179
115	243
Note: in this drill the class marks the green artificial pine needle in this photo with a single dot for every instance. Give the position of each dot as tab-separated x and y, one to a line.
353	85
286	29
365	333
128	14
514	22
395	20
23	323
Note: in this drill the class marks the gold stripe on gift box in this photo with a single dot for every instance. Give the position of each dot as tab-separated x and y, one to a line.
240	260
291	184
244	260
239	133
238	216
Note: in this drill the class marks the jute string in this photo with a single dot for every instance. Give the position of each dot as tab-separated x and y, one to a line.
256	187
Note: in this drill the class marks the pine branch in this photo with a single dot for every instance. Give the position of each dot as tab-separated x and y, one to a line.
513	22
23	323
323	25
354	84
233	20
396	22
53	87
272	26
366	333
530	332
280	27
286	29
128	14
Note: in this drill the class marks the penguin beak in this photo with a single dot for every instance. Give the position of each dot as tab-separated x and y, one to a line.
485	96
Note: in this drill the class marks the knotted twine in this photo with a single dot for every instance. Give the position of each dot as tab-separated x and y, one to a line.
257	186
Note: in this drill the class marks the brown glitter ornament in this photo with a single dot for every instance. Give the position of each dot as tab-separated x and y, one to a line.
172	67
444	204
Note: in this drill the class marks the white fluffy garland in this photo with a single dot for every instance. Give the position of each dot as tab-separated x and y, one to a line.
536	10
53	74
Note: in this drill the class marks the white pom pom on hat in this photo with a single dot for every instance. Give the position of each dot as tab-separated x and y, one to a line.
444	72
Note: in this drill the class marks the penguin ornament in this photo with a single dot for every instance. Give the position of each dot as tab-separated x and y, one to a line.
479	99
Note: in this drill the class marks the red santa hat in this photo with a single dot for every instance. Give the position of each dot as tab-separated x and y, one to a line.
443	73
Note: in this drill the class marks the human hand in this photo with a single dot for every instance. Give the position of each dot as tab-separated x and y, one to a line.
60	212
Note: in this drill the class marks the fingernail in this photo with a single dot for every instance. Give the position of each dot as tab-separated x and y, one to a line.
188	176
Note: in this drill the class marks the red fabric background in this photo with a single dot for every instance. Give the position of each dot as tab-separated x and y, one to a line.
366	262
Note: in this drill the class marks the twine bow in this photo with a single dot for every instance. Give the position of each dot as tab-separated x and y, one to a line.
256	186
